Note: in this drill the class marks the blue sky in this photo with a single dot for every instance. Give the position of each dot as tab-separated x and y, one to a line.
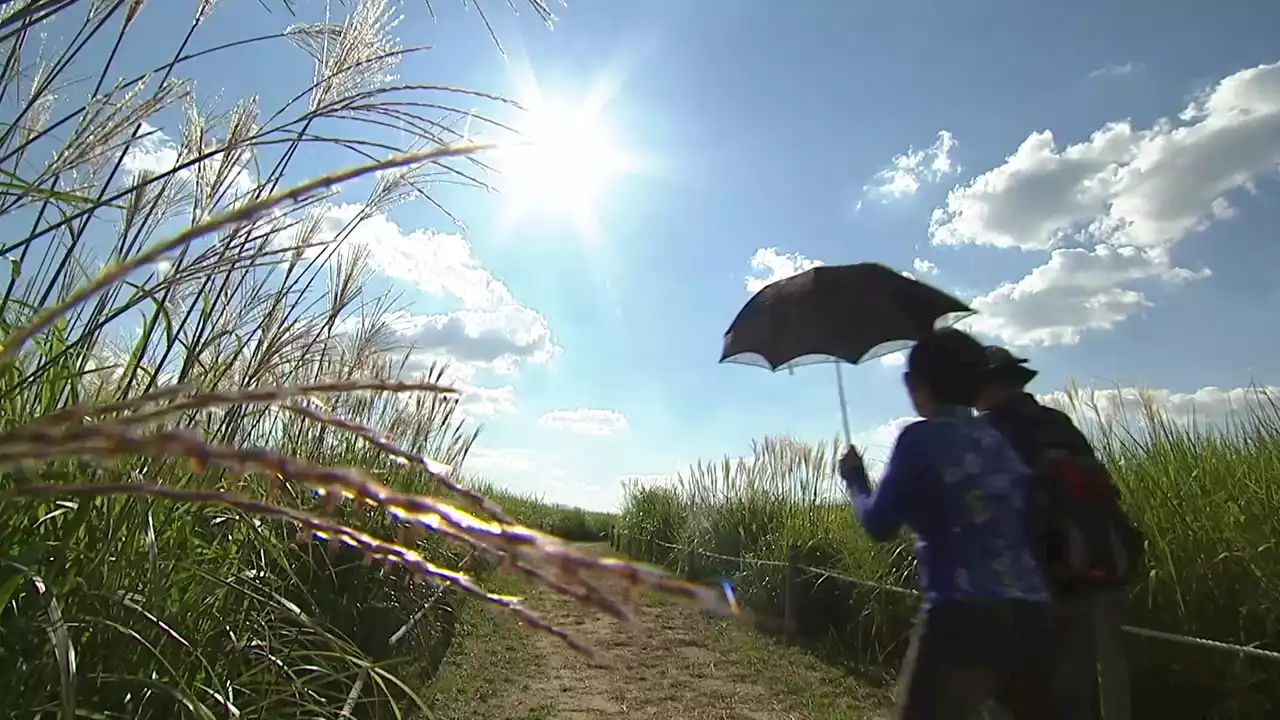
1099	179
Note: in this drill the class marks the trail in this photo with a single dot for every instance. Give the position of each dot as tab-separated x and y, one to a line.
676	663
665	668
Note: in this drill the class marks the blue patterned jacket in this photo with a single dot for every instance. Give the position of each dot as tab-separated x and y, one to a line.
963	492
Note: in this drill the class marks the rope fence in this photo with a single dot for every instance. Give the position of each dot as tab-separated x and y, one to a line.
794	567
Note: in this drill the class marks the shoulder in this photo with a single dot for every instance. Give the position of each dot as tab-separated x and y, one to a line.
918	440
927	438
1057	417
1059	428
923	431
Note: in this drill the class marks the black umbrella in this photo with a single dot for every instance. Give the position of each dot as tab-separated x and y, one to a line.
837	313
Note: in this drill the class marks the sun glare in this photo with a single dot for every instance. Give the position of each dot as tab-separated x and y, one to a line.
562	165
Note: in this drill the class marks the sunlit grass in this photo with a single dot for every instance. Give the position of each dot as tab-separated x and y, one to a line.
194	387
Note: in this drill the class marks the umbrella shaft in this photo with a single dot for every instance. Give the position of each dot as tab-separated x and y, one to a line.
844	406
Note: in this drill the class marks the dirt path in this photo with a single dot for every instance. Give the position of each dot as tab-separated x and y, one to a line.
666	668
677	663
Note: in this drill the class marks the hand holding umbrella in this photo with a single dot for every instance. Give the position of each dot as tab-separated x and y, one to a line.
851	466
851	462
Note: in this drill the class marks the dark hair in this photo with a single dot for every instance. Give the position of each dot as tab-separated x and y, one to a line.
950	364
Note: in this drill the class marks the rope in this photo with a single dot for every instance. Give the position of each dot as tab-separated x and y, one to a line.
1201	642
1244	650
858	581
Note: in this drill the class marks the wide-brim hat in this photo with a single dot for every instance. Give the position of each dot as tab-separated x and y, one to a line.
1004	365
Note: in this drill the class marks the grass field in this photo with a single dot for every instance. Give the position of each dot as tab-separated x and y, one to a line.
1207	498
213	266
124	281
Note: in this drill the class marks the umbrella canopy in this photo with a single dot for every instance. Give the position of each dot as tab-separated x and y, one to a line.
832	313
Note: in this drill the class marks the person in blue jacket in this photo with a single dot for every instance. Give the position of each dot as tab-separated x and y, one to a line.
985	631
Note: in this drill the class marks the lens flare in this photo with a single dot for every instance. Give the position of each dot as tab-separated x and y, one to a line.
729	597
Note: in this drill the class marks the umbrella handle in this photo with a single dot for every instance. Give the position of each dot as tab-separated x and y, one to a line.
844	406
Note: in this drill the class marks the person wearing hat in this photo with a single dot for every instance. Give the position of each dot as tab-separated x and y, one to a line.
986	628
1091	675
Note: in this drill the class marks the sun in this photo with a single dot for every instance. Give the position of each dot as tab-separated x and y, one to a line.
562	164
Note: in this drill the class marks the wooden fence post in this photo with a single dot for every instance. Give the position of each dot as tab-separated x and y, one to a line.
789	598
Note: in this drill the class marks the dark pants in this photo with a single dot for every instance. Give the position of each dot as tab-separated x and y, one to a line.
1091	676
964	654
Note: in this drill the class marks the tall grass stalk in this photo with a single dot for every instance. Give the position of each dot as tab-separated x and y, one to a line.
1206	495
178	423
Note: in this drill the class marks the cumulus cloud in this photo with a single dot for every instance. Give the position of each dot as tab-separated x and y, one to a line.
490	328
924	267
151	151
908	172
225	174
1203	407
876	443
1109	210
1208	405
1075	291
510	463
586	421
769	265
478	401
498	460
534	472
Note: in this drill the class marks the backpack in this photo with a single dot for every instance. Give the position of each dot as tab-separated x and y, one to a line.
1086	539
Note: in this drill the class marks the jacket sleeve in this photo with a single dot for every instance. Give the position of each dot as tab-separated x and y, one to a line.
883	512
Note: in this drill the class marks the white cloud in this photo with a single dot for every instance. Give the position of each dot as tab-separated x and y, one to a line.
924	267
154	152
474	402
1207	405
876	443
906	173
490	329
1129	194
1075	291
521	470
500	460
478	401
768	265
897	359
1116	70
586	421
487	401
535	473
